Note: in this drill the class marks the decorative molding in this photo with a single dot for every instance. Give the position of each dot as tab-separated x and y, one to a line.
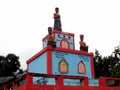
64	44
63	66
81	68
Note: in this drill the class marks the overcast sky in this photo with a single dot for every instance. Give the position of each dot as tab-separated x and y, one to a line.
23	24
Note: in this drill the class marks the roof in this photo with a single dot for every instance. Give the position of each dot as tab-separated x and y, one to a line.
6	79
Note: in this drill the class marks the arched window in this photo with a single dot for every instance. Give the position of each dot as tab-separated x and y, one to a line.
64	43
81	68
63	66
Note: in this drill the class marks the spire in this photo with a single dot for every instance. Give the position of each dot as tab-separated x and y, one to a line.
57	21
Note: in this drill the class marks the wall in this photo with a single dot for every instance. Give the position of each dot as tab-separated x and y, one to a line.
69	38
59	36
73	61
38	65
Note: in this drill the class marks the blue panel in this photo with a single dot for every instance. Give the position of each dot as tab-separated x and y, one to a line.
73	60
58	39
44	80
61	36
38	65
71	43
93	82
71	46
72	82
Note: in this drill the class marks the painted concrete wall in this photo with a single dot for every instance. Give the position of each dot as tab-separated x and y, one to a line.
38	65
59	37
93	82
69	38
73	60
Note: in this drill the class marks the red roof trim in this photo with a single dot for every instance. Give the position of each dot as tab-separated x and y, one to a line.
73	51
56	31
58	49
38	54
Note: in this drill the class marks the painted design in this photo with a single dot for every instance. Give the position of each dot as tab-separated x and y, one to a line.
64	44
81	68
63	66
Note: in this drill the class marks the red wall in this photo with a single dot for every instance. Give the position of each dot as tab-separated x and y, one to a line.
50	87
60	85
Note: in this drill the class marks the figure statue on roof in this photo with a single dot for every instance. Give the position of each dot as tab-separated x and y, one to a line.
50	38
57	21
83	46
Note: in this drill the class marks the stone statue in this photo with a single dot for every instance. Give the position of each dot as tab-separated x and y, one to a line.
50	38
83	46
57	21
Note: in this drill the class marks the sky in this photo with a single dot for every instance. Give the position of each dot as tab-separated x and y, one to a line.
23	24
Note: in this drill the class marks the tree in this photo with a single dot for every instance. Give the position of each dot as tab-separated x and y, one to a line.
98	64
2	64
116	68
108	66
9	65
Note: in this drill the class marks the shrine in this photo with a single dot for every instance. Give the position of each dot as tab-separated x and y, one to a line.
58	66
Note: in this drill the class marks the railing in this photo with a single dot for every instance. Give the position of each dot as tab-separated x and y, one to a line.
44	79
14	84
34	81
109	82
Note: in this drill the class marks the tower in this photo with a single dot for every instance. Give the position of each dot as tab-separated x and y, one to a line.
63	59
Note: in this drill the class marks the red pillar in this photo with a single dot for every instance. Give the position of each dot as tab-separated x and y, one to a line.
102	81
29	82
49	60
92	65
60	81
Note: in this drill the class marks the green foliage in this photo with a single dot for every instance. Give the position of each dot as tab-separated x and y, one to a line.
9	65
108	66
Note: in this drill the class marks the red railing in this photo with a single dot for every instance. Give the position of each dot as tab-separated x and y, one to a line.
59	82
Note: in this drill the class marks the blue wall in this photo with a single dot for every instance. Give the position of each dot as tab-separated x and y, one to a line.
59	37
93	82
73	61
38	65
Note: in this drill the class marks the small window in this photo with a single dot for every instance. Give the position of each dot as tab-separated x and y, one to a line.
81	68
64	44
63	66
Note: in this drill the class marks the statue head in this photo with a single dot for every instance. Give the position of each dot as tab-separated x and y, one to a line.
57	9
81	37
49	30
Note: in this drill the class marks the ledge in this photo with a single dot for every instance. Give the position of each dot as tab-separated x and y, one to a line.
58	49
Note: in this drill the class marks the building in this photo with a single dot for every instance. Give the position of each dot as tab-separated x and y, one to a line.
61	68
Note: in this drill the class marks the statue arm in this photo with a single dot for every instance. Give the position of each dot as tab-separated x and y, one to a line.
82	44
56	15
51	39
